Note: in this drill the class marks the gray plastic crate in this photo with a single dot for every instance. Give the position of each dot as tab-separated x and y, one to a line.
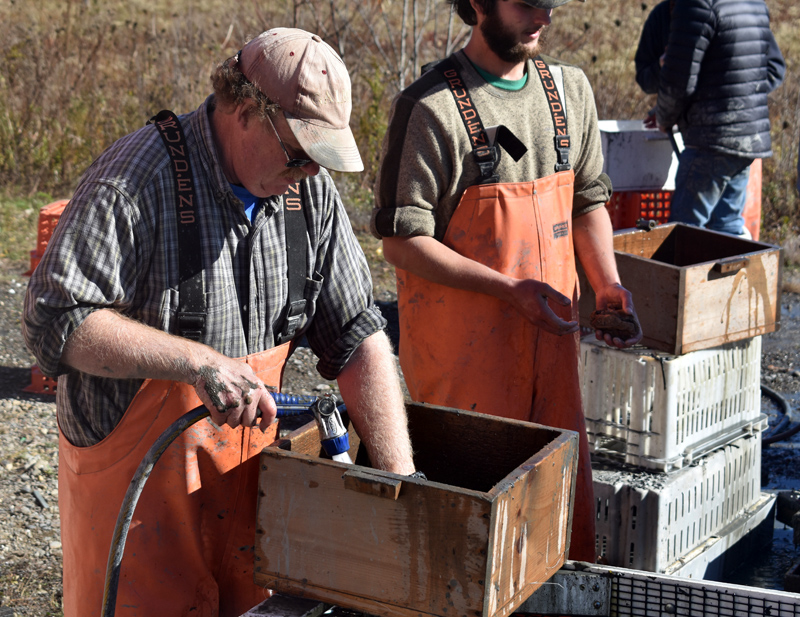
649	520
660	411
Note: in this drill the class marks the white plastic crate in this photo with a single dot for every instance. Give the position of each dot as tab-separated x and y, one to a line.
725	551
636	157
649	520
659	411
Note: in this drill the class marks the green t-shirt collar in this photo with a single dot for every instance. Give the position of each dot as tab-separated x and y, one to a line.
504	84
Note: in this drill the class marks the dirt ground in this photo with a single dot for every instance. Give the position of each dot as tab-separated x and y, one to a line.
30	548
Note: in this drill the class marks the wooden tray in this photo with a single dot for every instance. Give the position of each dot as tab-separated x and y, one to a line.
488	527
694	288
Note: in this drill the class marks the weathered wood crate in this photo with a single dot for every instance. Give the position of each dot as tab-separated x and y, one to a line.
694	288
487	528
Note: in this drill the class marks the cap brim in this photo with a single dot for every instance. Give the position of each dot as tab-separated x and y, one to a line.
333	149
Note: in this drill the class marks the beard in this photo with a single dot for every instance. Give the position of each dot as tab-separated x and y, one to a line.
503	42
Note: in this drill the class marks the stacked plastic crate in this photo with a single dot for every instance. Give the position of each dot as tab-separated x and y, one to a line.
677	452
675	439
49	216
642	164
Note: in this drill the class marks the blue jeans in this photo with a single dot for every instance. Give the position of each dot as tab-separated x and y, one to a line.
710	190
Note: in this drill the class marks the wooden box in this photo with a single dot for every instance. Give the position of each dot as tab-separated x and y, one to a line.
489	525
694	288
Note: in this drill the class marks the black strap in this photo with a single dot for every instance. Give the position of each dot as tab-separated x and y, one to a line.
486	156
557	112
296	232
191	317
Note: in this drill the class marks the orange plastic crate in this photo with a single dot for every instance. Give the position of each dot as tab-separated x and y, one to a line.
48	219
40	383
626	207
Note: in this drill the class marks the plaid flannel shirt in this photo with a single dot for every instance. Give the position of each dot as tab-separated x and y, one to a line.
116	247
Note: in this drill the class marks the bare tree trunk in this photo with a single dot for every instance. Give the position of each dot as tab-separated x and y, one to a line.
401	64
448	49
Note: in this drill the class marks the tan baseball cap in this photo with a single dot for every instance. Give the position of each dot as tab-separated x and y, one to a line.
308	79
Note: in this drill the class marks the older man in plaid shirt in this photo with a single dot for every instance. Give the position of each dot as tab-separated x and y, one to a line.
102	309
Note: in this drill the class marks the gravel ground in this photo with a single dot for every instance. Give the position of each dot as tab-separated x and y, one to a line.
30	548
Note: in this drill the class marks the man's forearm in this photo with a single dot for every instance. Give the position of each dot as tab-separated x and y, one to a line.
434	261
430	259
107	344
593	237
594	245
370	387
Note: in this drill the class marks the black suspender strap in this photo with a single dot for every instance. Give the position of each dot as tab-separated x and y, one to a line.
296	231
486	155
191	315
557	112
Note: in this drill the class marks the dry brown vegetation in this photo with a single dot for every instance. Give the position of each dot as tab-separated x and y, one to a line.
77	74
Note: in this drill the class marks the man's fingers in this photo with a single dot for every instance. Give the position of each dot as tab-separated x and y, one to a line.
555	325
267	410
556	296
238	402
543	316
568	327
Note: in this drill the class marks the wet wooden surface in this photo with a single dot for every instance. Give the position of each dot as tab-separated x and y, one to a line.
487	528
693	288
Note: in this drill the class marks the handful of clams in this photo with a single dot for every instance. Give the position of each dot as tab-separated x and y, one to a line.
614	321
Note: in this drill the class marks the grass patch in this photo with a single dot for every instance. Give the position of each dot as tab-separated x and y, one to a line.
18	226
23	589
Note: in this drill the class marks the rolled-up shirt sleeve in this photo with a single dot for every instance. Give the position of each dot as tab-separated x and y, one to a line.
345	313
592	185
416	170
83	269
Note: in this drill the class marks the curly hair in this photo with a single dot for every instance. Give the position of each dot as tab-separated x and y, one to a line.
467	13
232	88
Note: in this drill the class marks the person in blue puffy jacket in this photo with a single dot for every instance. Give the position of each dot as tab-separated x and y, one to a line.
720	63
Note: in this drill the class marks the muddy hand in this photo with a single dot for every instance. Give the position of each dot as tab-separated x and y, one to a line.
235	397
533	300
615	303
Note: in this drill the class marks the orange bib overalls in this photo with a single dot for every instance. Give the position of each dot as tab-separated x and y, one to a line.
189	551
472	351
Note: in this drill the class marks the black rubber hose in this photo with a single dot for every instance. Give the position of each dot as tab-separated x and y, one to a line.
780	432
782	436
291	406
132	496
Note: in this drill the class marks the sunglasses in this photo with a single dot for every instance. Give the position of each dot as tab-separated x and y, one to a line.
290	161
